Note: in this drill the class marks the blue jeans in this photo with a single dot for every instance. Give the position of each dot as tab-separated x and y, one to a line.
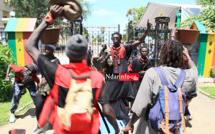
17	94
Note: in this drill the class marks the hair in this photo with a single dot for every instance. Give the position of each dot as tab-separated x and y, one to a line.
33	68
144	46
27	78
120	36
172	54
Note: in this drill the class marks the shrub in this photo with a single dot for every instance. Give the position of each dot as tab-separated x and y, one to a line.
212	72
6	58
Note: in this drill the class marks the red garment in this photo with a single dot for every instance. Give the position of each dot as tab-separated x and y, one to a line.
19	76
61	86
130	69
119	54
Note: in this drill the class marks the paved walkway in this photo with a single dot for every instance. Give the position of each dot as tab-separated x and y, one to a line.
202	109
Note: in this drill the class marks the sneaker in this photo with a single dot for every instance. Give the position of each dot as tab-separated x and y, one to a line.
12	118
38	130
189	117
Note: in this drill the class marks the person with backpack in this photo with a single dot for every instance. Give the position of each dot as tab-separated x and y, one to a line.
161	99
25	77
75	88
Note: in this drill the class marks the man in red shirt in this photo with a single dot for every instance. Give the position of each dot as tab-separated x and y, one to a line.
24	78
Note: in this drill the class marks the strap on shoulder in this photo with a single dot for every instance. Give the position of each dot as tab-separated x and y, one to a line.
82	77
180	79
162	75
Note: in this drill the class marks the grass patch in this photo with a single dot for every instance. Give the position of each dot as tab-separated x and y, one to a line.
5	108
209	90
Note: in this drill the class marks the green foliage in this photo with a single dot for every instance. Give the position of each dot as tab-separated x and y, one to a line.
39	8
134	15
5	108
205	2
209	90
139	14
30	8
212	72
5	59
188	22
207	15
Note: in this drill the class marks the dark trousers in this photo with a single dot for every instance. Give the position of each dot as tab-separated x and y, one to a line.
17	94
39	103
120	110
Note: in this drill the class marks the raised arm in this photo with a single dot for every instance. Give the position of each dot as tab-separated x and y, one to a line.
189	59
30	45
142	38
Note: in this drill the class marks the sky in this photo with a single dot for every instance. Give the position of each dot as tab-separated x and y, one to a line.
113	12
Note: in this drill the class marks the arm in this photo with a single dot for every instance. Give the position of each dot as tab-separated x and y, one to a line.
142	72
142	38
104	61
8	72
130	125
189	60
30	45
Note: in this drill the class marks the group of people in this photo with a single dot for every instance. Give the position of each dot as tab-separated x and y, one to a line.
114	96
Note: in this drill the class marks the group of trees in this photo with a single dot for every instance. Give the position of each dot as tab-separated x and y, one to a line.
133	15
207	15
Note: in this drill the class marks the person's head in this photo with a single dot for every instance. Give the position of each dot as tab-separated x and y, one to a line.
76	48
104	46
49	49
151	45
172	54
32	67
27	78
116	38
144	51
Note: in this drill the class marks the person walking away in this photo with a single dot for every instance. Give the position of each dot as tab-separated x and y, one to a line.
171	63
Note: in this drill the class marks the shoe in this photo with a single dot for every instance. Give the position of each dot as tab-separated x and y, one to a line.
38	130
189	117
12	118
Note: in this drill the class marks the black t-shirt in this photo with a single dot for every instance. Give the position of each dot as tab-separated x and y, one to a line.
138	66
48	70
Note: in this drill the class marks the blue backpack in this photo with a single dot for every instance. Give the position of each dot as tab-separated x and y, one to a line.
170	106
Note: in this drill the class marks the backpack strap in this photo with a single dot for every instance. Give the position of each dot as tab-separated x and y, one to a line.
180	79
180	99
178	84
164	82
82	77
162	75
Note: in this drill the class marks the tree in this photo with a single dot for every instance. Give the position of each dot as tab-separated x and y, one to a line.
207	15
134	15
102	33
39	8
30	8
